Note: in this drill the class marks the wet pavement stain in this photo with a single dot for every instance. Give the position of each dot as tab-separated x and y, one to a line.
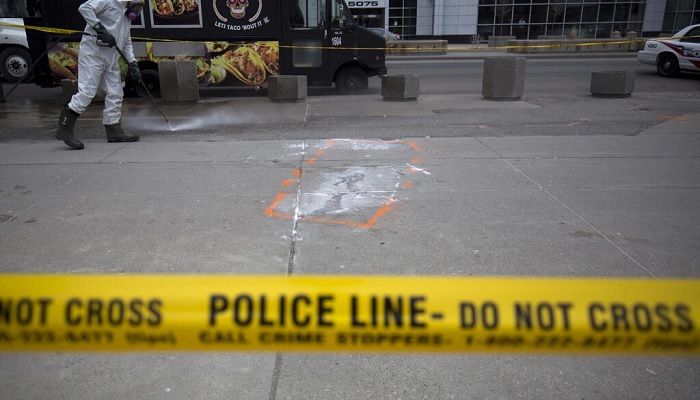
584	234
638	240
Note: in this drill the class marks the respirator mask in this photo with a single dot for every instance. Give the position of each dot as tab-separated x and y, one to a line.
133	9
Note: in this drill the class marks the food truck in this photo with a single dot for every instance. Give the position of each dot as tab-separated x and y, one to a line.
234	42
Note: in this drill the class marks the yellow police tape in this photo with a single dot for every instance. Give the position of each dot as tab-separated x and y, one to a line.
348	313
391	49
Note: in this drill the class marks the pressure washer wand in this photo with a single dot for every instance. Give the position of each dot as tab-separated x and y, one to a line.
121	53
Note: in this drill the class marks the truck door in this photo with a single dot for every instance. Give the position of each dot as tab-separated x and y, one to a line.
322	44
304	37
344	56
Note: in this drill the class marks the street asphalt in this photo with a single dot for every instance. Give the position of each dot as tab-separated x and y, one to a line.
562	184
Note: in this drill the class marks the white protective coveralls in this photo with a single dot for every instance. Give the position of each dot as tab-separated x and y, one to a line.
98	66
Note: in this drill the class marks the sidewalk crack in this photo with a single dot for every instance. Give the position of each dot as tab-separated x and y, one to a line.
297	211
275	376
583	219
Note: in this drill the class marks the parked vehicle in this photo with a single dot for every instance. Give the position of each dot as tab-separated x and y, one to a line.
673	55
388	35
15	61
234	43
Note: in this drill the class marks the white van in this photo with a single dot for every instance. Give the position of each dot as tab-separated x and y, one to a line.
15	60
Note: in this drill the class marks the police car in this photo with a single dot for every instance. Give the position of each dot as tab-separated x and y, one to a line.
673	55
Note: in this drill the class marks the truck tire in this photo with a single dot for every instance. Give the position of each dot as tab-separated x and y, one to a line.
351	80
152	81
15	63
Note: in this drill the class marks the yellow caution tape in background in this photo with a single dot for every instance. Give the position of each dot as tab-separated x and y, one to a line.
403	49
348	313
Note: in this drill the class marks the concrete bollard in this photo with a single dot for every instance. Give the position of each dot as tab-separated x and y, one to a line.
286	88
635	43
504	78
178	81
499	41
417	47
612	83
400	87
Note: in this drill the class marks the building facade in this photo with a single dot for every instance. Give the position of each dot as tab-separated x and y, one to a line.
462	20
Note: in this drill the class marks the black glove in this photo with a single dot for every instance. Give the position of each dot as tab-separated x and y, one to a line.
134	71
103	36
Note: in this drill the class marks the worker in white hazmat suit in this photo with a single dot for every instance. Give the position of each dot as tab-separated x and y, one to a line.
108	25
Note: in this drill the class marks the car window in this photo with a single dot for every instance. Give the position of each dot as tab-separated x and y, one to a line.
693	36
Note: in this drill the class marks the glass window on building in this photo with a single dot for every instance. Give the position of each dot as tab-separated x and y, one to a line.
681	13
538	14
504	10
402	17
576	18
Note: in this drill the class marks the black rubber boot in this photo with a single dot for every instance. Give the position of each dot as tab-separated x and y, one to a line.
116	134
66	124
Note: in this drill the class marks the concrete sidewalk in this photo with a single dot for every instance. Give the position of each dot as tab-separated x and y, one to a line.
524	206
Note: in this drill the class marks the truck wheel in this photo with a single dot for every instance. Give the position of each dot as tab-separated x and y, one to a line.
351	80
15	63
668	65
152	81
